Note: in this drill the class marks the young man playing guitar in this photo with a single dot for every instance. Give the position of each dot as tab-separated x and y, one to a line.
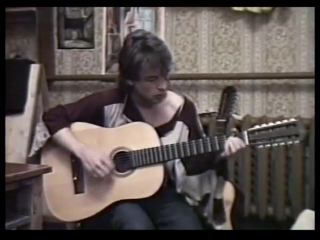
142	95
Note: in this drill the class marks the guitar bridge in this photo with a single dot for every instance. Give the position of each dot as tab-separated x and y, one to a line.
77	175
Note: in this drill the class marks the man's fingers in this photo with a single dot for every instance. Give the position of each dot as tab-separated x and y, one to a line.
109	164
102	172
233	145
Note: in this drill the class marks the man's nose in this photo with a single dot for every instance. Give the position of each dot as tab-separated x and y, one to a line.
163	85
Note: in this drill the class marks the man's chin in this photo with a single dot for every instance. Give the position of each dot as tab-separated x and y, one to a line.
154	100
160	97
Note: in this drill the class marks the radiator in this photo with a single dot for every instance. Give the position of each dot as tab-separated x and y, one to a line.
276	182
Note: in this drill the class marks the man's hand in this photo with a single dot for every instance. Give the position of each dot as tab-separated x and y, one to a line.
98	164
233	145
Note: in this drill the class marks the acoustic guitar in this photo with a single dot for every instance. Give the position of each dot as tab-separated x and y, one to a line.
138	157
229	103
220	216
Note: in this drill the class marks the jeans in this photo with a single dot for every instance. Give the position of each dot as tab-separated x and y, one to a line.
164	211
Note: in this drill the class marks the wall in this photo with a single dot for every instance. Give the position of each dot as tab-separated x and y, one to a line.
218	40
78	61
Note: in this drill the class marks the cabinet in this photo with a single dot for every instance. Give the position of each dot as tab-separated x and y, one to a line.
24	195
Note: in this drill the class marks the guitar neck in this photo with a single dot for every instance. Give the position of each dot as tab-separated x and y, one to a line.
161	154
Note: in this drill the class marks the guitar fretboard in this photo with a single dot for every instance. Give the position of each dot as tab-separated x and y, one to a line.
150	156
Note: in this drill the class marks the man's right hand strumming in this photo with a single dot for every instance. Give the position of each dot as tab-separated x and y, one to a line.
96	163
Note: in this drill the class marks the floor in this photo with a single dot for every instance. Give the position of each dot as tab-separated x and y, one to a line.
243	224
267	224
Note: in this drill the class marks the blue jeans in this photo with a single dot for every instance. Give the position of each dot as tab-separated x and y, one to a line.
164	211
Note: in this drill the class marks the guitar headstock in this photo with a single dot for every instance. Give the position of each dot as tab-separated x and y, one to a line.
286	132
228	102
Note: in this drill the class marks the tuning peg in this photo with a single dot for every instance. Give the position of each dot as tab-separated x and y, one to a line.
278	122
263	125
275	144
292	120
284	121
270	124
268	145
281	144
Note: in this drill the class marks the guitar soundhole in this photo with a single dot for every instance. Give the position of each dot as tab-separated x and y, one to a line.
123	162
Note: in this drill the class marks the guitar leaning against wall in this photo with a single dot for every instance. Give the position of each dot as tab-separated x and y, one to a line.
216	212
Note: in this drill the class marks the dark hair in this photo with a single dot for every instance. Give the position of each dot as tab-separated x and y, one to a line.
139	49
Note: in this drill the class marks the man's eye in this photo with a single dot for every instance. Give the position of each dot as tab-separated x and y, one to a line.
152	79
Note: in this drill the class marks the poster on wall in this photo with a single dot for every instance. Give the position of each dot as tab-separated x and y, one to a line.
75	27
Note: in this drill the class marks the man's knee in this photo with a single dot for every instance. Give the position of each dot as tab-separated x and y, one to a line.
130	217
137	224
182	218
189	221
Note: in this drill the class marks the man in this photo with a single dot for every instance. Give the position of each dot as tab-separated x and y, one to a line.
142	95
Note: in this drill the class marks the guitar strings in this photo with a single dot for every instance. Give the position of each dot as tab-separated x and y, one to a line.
125	158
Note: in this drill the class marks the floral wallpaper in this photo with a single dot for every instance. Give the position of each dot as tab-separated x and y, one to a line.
220	40
217	40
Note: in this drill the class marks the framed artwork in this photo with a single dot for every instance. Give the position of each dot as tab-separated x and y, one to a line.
75	27
123	20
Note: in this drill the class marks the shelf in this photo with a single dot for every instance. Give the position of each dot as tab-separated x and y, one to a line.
21	9
21	15
18	221
113	34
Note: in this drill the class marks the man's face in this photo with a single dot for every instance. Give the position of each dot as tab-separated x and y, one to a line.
152	87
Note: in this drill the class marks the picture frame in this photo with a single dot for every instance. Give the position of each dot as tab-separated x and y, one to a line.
75	27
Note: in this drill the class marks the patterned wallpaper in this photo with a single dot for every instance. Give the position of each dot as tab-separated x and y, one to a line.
217	40
220	40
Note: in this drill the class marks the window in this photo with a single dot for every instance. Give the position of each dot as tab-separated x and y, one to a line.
147	19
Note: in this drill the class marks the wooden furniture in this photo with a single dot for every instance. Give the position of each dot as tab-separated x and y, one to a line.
110	77
20	128
24	195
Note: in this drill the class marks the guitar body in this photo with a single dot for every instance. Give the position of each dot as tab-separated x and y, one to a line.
61	200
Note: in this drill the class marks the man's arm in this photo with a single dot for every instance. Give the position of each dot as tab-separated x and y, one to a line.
198	164
88	109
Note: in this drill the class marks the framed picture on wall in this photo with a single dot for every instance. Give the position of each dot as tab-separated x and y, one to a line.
75	27
123	20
